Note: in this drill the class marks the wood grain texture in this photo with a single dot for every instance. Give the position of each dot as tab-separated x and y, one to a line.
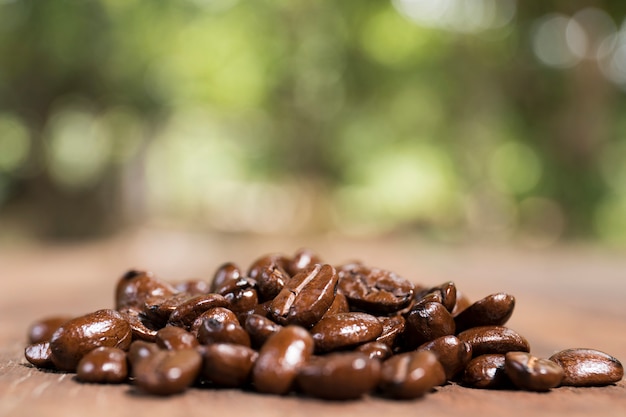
570	297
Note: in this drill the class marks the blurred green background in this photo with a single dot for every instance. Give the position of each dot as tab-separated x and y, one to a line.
459	120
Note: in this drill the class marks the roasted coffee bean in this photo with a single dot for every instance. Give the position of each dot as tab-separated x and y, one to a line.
375	350
225	274
228	365
339	376
260	329
175	338
588	367
79	336
453	354
135	287
444	294
193	287
393	327
242	301
167	372
186	313
345	330
157	310
411	375
493	310
220	325
104	365
42	330
306	297
531	373
140	326
270	274
374	290
487	371
425	322
280	359
39	354
302	259
494	339
339	305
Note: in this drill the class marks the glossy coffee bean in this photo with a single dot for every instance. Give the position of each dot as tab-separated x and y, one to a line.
339	376
444	294
79	336
530	373
374	290
494	339
228	365
167	372
157	310
375	350
140	350
411	375
427	321
339	305
103	365
453	354
270	274
302	259
42	330
493	310
220	325
260	329
345	330
306	297
225	274
39	354
393	327
135	287
141	328
175	338
280	359
588	367
187	312
487	371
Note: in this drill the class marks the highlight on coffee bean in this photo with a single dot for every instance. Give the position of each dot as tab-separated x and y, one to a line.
296	325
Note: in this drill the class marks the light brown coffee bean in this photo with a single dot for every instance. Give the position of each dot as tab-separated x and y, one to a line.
494	339
487	372
345	330
588	367
411	375
493	310
175	338
228	365
42	330
531	373
167	372
39	354
453	354
103	365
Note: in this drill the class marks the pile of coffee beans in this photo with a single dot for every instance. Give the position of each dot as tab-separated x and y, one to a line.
294	324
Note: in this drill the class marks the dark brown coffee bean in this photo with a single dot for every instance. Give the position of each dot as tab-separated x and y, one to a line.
242	300
270	274
339	376
140	326
345	330
588	367
220	325
453	354
157	310
193	287
411	375
39	354
493	310
494	339
260	329
374	290
425	322
186	313
306	297
228	365
444	294
81	335
487	371
531	373
280	359
175	338
375	350
339	305
42	330
103	365
140	350
167	372
224	275
302	259
135	287
393	327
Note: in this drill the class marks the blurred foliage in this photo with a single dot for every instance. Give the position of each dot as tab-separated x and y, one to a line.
456	121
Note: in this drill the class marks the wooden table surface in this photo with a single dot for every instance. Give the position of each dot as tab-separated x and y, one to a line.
566	297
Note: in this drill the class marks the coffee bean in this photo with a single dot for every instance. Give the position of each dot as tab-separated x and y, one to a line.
270	274
345	330
167	372
140	350
225	274
175	338
531	373
220	325
39	354
306	297
375	350
411	375
453	354
339	376
77	337
493	310
339	305
494	339
157	310
193	287
42	330
280	359
187	312
104	365
135	287
444	294
393	327
228	365
141	327
260	329
588	367
302	259
487	371
425	322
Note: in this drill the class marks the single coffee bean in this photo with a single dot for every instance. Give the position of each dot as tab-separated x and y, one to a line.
487	371
140	350
220	325
345	330
42	330
39	354
135	287
104	365
81	335
494	339
157	310
588	367
260	329
531	373
175	338
444	294
186	313
453	354
493	310
375	350
339	305
306	297
228	365
141	327
193	287
280	359
339	376
302	259
374	290
167	372
411	375
242	301
270	274
393	327
225	273
425	322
